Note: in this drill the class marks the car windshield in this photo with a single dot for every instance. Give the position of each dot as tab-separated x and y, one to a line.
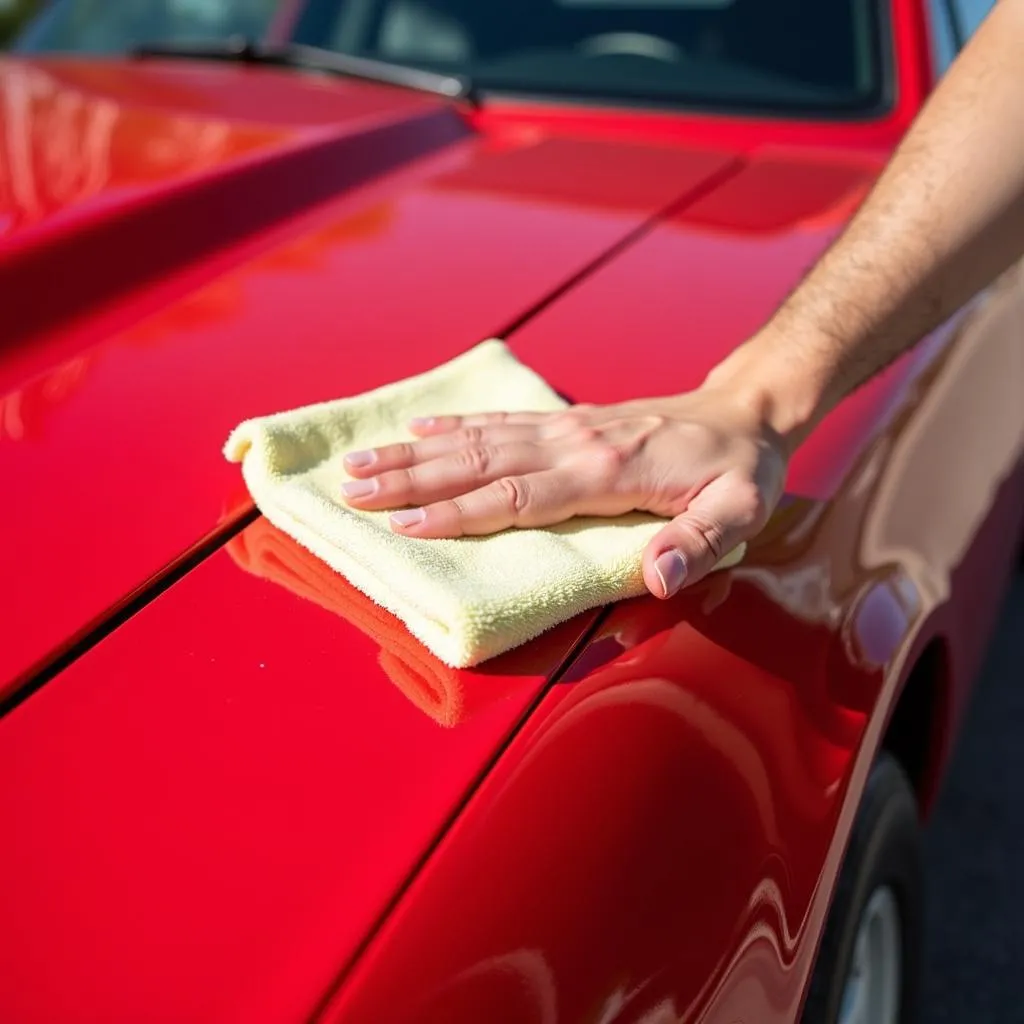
113	26
762	55
818	57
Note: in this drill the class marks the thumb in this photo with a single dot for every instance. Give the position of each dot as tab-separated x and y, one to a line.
728	511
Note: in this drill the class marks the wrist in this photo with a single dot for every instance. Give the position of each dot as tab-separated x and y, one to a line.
784	383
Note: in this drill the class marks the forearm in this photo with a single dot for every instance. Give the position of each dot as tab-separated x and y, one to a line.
945	218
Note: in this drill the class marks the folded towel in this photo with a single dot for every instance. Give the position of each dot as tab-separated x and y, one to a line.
465	599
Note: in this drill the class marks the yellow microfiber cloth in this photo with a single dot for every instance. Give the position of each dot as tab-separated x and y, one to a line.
466	599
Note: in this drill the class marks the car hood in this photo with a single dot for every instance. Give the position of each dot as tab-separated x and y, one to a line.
172	265
183	247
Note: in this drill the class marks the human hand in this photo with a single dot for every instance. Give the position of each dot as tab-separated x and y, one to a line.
703	459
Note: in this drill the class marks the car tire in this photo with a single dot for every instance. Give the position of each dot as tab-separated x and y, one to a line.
879	901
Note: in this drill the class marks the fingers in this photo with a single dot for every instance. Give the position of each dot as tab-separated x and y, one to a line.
433	446
725	513
457	473
425	426
524	501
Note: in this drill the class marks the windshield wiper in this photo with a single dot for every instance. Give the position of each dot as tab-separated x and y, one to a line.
313	58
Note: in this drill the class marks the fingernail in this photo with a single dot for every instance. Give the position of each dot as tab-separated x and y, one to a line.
359	488
671	569
359	460
408	517
423	421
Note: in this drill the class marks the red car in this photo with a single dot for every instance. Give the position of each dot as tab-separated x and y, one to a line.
233	790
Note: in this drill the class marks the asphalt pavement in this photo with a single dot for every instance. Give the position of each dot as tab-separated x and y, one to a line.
974	971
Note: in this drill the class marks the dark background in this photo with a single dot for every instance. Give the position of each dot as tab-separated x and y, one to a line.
13	12
975	961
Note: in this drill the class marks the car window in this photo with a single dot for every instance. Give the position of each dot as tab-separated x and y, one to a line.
108	26
953	22
944	34
754	54
970	14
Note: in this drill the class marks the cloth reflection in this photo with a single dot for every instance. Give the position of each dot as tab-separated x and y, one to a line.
436	689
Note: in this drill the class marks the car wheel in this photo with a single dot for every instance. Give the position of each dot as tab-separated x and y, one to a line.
867	970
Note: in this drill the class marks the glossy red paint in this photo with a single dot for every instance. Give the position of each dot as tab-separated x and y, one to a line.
287	314
208	833
674	713
662	839
101	162
257	800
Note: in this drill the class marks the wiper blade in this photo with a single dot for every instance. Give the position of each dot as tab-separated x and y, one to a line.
313	58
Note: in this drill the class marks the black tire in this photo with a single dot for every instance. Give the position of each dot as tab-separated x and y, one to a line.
884	849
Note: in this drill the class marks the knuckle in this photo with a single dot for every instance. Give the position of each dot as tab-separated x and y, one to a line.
401	452
477	459
585	435
399	481
574	419
708	537
470	435
514	494
751	509
605	458
454	511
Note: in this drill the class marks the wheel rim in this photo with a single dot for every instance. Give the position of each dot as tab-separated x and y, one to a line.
871	994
